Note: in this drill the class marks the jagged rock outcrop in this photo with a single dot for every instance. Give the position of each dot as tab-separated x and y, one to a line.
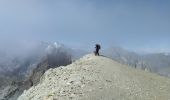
98	78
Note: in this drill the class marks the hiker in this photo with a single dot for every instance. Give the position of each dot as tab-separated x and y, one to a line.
97	50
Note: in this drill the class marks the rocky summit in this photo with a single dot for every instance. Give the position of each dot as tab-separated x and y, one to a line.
98	78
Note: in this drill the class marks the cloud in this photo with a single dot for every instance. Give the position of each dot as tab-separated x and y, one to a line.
83	22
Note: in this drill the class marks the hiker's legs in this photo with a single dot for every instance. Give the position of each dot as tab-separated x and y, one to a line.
97	52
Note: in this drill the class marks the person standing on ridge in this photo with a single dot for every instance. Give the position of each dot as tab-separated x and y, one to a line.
97	50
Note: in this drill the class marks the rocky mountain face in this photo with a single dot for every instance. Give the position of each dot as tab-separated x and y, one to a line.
98	78
22	72
158	63
26	72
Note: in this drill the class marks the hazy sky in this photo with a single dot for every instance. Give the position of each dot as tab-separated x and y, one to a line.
138	25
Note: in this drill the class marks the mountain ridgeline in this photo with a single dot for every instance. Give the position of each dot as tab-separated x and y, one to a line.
22	73
156	62
98	78
19	73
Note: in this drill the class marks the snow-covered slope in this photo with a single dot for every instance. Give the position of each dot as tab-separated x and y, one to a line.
98	78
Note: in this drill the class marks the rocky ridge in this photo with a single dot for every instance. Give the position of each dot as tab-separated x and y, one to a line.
98	78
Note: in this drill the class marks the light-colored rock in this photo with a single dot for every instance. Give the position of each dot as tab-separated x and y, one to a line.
98	78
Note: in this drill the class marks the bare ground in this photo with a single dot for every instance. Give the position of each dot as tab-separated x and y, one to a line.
98	78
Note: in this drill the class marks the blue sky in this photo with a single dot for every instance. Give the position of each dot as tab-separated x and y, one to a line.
137	25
